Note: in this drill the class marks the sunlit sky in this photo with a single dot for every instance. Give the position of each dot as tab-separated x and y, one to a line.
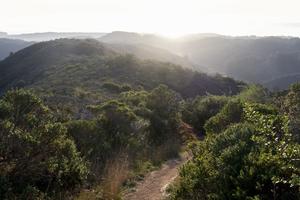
166	17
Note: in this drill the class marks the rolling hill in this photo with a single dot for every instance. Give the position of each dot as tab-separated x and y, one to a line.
253	59
147	52
79	72
8	46
265	60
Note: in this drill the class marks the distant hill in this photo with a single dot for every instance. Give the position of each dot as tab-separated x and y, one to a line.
79	72
131	37
263	60
147	52
120	37
39	37
283	82
8	46
172	45
150	46
246	58
29	64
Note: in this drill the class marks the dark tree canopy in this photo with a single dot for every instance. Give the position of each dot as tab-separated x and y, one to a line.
35	151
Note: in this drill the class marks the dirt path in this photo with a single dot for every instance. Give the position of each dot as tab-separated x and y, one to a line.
155	183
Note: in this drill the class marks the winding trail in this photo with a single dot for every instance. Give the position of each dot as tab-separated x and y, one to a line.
155	183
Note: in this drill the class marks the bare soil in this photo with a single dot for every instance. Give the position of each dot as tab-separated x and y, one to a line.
154	185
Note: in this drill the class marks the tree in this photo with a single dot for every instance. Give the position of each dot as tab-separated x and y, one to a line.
291	106
231	113
253	159
201	109
163	104
35	150
117	120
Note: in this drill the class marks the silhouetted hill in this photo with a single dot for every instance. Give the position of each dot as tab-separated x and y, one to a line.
28	64
40	37
246	58
120	37
146	52
252	59
8	46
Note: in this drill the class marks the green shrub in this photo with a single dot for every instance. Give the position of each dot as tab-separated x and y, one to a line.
112	87
231	113
35	150
198	111
164	118
255	159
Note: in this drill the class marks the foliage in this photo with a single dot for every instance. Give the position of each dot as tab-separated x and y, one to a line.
164	119
204	113
35	151
254	94
199	110
117	121
116	117
255	159
231	113
76	73
291	106
141	126
113	87
114	130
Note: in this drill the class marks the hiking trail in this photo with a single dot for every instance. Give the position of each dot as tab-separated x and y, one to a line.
154	185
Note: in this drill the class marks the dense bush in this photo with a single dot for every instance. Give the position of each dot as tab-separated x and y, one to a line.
291	105
255	159
199	110
254	94
231	113
164	117
136	127
36	154
116	88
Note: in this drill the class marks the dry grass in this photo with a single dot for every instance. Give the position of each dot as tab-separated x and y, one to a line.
116	172
169	149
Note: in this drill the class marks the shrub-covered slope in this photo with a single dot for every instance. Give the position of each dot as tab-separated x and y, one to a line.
84	71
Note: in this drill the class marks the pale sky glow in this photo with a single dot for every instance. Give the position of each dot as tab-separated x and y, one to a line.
167	17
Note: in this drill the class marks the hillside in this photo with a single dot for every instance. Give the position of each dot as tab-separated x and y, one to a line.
247	58
8	46
148	52
265	60
136	38
172	45
79	72
252	59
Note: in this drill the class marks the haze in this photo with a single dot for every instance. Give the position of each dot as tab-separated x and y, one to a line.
167	17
